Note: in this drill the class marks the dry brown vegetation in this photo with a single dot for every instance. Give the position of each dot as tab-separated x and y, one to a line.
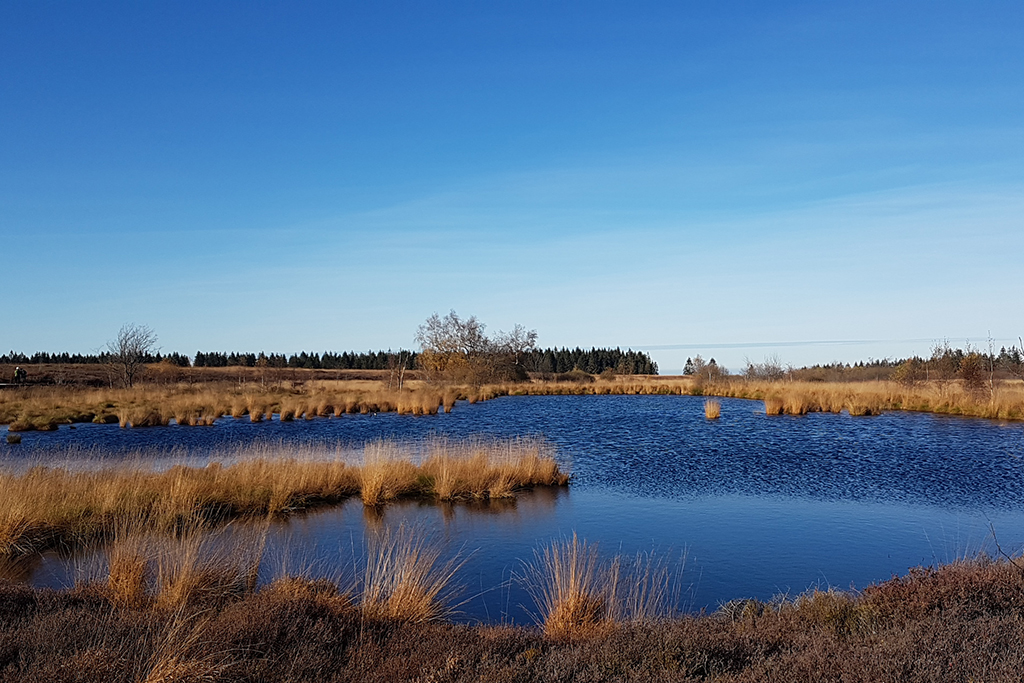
44	408
712	409
961	622
47	507
203	403
1006	402
579	596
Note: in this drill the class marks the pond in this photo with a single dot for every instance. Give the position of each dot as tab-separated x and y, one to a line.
759	505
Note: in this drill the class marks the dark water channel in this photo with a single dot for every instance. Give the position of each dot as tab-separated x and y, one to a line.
759	505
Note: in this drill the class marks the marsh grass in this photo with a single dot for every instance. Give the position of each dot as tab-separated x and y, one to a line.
874	397
773	405
404	578
149	405
46	408
579	596
401	576
712	409
47	507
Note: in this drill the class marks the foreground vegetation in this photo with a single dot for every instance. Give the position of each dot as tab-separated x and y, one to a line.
961	622
46	507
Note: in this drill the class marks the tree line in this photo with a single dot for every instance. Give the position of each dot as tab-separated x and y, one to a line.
550	360
594	361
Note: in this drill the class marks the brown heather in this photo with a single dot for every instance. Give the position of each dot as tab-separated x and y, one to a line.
46	507
960	622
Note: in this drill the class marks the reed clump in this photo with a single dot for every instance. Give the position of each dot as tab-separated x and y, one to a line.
488	469
712	409
47	507
579	596
773	405
404	578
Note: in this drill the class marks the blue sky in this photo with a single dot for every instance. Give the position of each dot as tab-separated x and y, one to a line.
843	178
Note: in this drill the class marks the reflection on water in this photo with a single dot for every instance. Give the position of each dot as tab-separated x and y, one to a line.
761	505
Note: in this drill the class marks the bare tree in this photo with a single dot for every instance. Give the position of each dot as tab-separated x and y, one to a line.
128	353
397	365
456	350
517	343
771	370
453	335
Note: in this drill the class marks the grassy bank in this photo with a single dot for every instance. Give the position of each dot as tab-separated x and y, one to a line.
202	404
46	507
962	622
147	405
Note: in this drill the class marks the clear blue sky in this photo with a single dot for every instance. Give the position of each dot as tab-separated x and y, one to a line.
287	176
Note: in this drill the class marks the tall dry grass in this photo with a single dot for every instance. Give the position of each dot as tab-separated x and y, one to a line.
580	596
1006	402
401	578
148	405
45	507
712	409
45	408
404	578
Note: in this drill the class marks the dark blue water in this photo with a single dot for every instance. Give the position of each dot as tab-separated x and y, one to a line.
759	505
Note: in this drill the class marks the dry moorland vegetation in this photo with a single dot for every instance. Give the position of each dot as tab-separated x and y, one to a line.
45	507
246	397
190	619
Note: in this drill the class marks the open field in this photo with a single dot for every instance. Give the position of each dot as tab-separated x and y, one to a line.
214	393
47	507
960	622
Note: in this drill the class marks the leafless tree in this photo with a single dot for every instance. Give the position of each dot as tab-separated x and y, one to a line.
457	350
397	365
771	370
128	353
516	343
452	334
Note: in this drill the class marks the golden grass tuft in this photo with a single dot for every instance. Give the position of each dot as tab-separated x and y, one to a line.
571	591
578	596
773	405
712	409
404	578
129	570
385	475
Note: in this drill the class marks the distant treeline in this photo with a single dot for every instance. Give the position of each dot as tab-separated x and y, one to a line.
537	360
593	361
371	360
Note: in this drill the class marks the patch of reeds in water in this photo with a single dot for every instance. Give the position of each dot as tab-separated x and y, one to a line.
712	409
401	578
46	507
